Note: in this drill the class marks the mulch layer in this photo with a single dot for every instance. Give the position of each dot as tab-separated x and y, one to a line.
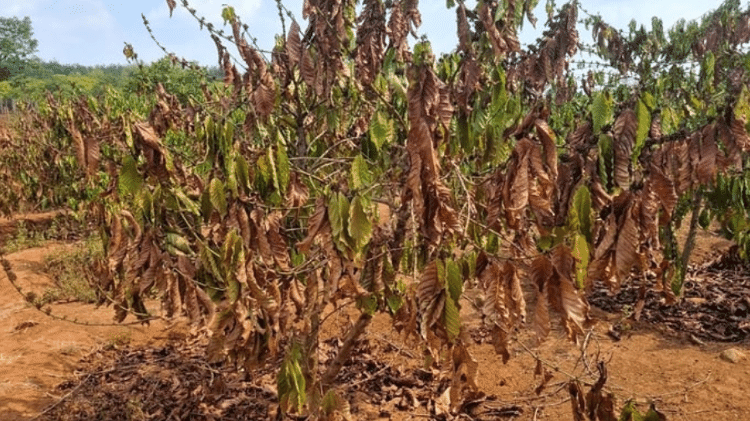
175	382
715	305
171	382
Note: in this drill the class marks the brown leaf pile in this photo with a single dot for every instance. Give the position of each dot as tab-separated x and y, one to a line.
168	382
715	306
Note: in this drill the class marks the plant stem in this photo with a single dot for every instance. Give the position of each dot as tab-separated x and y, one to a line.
346	350
690	241
687	249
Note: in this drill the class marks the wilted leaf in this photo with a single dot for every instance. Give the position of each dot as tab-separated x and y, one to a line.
314	224
130	180
381	129
359	226
452	319
624	132
581	254
338	215
291	383
293	44
601	110
626	248
581	212
282	166
454	280
218	197
360	173
172	4
644	124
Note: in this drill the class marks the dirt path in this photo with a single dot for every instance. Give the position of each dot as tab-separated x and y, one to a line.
38	352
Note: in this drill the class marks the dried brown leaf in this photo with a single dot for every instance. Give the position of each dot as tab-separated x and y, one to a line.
549	146
92	155
429	289
294	45
371	34
277	240
624	132
626	250
741	138
462	25
709	150
171	4
498	42
541	320
317	220
569	300
265	95
663	188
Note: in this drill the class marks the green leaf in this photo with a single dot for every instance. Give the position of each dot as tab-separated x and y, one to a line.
232	251
708	70
282	167
394	303
580	252
452	319
462	132
630	413
368	304
360	227
242	173
381	129
653	415
206	207
643	116
208	260
231	178
218	198
453	280
670	121
130	180
332	404
274	171
704	219
582	211
742	106
601	110
290	382
228	14
360	173
264	174
145	202
178	242
189	204
338	214
648	100
397	86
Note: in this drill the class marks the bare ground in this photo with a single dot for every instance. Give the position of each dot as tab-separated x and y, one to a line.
43	360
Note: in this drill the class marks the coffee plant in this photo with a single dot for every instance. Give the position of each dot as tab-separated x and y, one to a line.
348	165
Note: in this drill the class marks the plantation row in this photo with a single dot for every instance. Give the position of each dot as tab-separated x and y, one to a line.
347	165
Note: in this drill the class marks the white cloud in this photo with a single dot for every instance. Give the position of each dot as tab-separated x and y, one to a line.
18	7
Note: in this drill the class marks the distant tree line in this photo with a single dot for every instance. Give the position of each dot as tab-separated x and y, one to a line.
26	78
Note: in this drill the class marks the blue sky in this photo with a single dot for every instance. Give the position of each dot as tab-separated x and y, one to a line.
93	32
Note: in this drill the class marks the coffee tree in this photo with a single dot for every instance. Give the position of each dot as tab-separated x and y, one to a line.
348	165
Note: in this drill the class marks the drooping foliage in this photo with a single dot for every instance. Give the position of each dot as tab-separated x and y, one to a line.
348	165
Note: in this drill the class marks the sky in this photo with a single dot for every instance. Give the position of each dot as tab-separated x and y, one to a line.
94	32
